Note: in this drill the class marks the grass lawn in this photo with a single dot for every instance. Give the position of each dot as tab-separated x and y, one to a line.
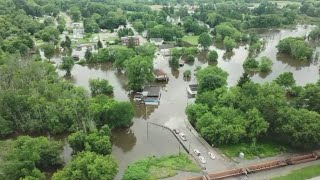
301	174
159	168
5	147
261	149
193	40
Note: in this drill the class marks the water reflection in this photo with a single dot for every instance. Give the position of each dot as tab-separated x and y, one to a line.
124	139
141	140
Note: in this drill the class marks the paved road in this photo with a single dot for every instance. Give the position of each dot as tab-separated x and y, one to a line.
171	113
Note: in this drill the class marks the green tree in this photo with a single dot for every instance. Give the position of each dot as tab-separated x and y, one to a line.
205	40
88	55
174	62
244	79
75	14
95	141
190	59
315	34
67	64
107	111
23	49
251	64
256	125
213	56
309	98
265	64
286	80
99	44
296	47
140	71
48	50
147	49
122	54
89	165
30	155
195	112
100	86
301	126
120	114
138	26
211	78
229	43
226	127
66	43
187	74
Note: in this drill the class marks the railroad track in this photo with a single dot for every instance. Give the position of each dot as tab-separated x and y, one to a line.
260	167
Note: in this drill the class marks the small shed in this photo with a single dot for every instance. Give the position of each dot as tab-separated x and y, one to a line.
193	89
157	41
75	57
152	95
160	75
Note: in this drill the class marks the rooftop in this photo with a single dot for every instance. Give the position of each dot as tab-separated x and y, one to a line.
156	39
153	91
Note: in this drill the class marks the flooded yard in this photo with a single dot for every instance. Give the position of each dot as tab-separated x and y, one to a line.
144	139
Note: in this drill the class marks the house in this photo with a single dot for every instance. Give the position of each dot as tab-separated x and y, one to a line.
193	89
75	57
173	20
77	30
165	49
151	95
160	75
125	40
157	41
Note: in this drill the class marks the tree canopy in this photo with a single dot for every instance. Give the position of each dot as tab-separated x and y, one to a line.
88	165
30	157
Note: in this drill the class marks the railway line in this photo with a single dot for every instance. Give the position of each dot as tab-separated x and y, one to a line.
260	167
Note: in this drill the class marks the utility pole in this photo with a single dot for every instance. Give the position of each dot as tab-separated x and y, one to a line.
147	130
179	147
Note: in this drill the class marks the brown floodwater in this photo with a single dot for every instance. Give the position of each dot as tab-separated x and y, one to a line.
144	139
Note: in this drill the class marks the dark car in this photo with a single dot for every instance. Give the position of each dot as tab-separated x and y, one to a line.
176	131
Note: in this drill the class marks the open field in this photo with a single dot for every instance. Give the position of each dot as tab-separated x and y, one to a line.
261	150
163	167
193	40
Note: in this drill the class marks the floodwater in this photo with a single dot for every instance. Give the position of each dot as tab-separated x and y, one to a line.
303	72
145	139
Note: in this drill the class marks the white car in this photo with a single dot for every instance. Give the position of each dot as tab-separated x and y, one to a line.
211	155
183	136
202	160
197	152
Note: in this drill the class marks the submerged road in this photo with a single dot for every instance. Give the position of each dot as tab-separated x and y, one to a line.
171	113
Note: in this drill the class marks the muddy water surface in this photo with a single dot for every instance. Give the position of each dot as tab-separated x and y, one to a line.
144	139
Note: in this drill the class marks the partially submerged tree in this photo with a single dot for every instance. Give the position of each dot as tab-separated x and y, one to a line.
100	86
140	71
67	64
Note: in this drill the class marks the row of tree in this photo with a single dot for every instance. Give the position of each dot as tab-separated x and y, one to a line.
251	111
33	99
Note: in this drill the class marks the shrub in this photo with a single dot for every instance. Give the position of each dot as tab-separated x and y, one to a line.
187	74
251	64
190	59
265	64
213	57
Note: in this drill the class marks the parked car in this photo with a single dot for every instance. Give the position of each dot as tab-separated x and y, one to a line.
197	152
202	160
211	155
137	98
176	131
183	136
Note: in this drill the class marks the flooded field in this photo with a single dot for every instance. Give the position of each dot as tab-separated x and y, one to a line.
144	139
